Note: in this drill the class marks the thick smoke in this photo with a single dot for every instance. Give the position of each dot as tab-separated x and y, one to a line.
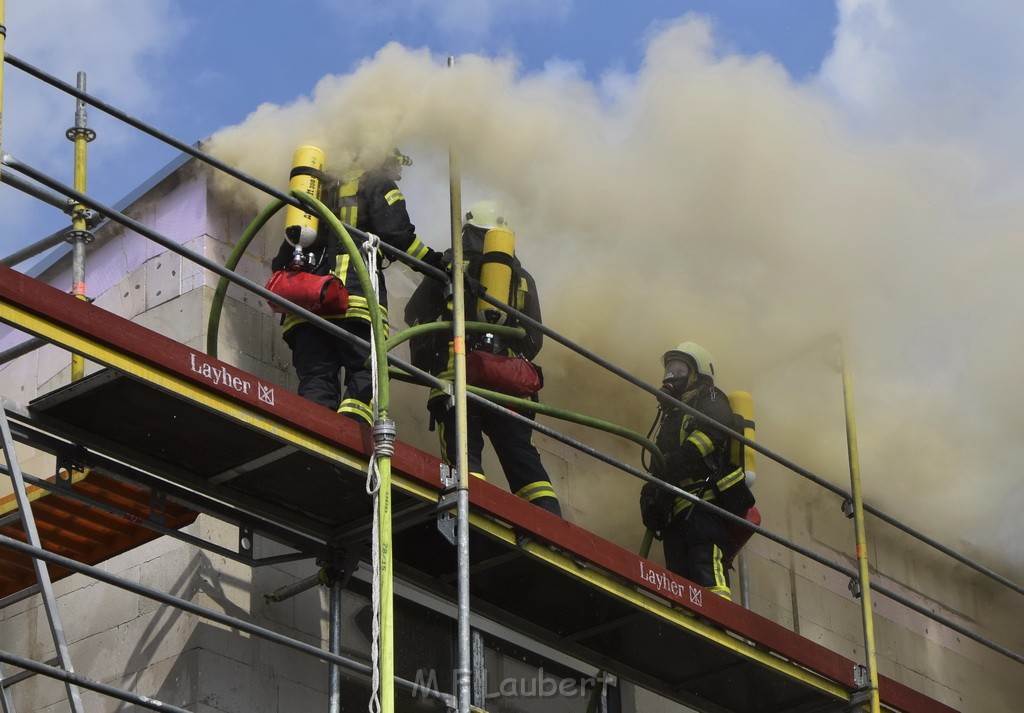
710	198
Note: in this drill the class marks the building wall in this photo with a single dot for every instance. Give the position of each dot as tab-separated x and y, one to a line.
122	640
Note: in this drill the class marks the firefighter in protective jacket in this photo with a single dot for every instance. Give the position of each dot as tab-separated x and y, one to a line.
512	440
372	202
697	459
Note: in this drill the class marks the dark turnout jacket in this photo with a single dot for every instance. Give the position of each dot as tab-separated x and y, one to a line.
373	203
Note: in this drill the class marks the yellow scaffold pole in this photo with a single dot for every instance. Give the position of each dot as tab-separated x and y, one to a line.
3	53
465	655
858	521
79	236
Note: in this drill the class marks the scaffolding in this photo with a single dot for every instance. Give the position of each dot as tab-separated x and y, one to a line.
138	464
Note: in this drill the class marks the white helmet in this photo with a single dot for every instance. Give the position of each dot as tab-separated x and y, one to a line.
698	355
487	215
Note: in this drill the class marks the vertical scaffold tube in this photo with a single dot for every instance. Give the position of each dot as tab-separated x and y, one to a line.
464	671
79	235
334	642
858	521
28	522
3	53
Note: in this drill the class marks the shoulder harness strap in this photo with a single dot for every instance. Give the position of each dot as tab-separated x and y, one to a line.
348	203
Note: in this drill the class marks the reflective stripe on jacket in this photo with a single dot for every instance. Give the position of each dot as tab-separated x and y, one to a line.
699	451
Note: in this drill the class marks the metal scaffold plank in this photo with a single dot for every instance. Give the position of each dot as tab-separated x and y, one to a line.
72	528
291	463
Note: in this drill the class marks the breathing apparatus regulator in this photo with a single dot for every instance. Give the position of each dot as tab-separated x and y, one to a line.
301	227
401	159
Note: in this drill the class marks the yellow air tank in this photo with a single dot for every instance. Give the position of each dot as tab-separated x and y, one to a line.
742	404
307	174
496	273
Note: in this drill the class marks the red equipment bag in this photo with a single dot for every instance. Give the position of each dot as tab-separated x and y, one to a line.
320	294
512	375
739	536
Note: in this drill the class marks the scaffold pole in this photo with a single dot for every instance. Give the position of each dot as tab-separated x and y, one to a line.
858	520
60	641
79	236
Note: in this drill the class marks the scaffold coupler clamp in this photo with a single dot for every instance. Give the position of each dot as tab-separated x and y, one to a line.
326	573
77	211
447	501
847	508
862	694
860	676
69	460
854	587
339	565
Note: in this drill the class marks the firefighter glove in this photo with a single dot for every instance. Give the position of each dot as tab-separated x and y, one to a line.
655	506
474	287
434	259
673	465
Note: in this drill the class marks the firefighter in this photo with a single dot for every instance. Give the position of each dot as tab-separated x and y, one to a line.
511	439
372	202
697	459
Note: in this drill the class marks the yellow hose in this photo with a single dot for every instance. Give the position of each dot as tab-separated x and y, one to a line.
387	672
387	628
3	53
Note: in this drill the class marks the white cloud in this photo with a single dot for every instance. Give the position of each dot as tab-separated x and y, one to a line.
115	43
935	71
112	40
945	80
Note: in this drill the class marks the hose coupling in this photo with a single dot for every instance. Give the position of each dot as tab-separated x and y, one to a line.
384	433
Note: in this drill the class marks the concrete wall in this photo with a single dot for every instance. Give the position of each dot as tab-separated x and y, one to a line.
126	641
120	638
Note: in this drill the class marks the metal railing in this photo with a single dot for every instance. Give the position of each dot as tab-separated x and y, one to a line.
64	192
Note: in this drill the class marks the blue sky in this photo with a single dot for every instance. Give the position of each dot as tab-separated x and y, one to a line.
319	41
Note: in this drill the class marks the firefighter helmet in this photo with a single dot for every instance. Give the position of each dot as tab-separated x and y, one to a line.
487	215
695	353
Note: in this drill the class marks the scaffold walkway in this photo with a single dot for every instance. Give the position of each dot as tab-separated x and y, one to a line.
215	437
